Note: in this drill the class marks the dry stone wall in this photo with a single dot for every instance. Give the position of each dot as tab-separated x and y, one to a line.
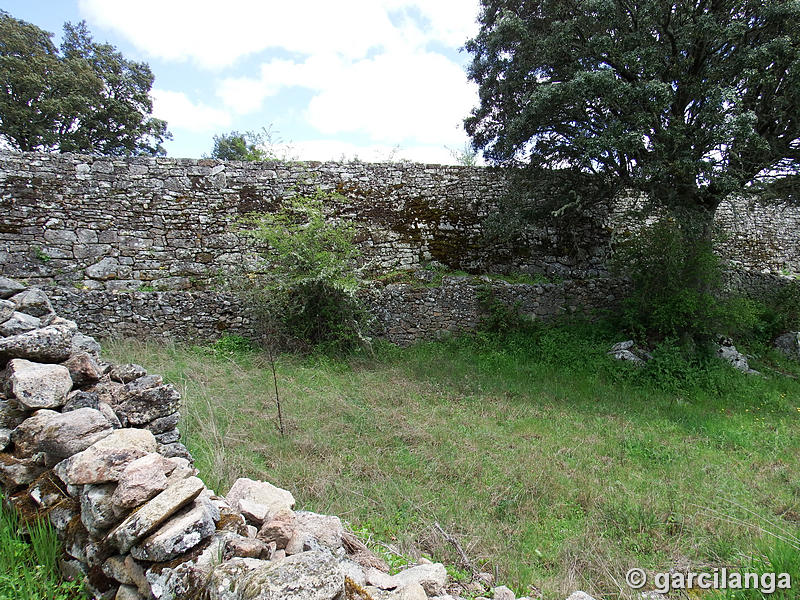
147	239
166	223
94	448
403	313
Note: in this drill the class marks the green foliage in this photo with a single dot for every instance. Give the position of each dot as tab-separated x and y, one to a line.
41	254
675	278
761	321
497	316
686	101
781	312
249	146
305	245
29	563
84	98
466	156
308	285
231	344
675	368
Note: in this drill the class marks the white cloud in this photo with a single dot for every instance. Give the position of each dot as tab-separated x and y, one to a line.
420	97
336	150
181	113
367	63
215	34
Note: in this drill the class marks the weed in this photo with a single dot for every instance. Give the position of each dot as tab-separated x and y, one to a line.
41	255
232	344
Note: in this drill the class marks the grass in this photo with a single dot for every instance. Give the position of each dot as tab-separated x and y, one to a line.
553	465
29	561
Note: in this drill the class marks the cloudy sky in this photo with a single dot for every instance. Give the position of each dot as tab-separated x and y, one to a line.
373	79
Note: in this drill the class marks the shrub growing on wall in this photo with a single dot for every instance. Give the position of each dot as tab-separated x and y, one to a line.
306	288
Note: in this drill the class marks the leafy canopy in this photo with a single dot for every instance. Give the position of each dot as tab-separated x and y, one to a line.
687	101
83	97
246	146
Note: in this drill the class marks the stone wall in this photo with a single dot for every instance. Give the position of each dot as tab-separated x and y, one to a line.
403	313
166	223
406	313
153	227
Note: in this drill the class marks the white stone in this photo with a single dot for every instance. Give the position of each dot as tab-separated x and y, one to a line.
260	492
36	385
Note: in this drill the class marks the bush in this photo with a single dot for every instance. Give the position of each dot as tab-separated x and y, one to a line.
781	312
676	279
307	287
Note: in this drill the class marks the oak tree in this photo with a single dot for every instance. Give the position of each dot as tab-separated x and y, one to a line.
687	101
81	97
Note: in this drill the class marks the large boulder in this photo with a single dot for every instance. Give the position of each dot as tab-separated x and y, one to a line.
314	575
10	414
432	577
628	351
279	529
7	309
32	301
9	287
81	399
97	508
728	352
18	472
182	532
105	460
272	498
27	434
68	433
324	529
36	385
142	479
17	323
137	405
83	368
127	373
85	343
105	269
163	424
178	580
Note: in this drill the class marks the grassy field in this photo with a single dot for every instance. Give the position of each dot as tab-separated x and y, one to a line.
554	466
